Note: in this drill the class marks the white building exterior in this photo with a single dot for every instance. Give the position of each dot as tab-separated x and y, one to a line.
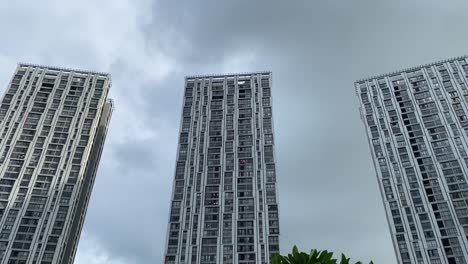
53	123
417	124
224	204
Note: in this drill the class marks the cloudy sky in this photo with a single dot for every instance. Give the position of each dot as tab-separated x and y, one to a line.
329	196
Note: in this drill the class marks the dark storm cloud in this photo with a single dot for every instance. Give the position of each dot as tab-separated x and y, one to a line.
329	196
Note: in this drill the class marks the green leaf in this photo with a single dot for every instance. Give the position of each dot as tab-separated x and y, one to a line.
295	252
315	257
326	257
315	254
344	260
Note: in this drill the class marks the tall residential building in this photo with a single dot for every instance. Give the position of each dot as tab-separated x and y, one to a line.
53	124
224	205
417	124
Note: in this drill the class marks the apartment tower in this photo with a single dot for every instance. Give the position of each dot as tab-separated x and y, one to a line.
417	124
224	206
53	124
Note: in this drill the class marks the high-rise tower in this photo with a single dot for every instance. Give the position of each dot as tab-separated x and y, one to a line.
224	205
417	124
53	124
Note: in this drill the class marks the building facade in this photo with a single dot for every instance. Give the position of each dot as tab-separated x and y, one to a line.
53	123
417	124
224	205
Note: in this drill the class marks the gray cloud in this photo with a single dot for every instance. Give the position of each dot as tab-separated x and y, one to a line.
329	196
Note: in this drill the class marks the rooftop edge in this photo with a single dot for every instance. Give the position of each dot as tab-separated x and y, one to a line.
227	74
63	68
410	68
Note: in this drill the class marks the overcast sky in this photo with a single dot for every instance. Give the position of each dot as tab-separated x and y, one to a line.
329	196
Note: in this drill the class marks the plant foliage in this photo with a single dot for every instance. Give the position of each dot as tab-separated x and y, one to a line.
315	257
